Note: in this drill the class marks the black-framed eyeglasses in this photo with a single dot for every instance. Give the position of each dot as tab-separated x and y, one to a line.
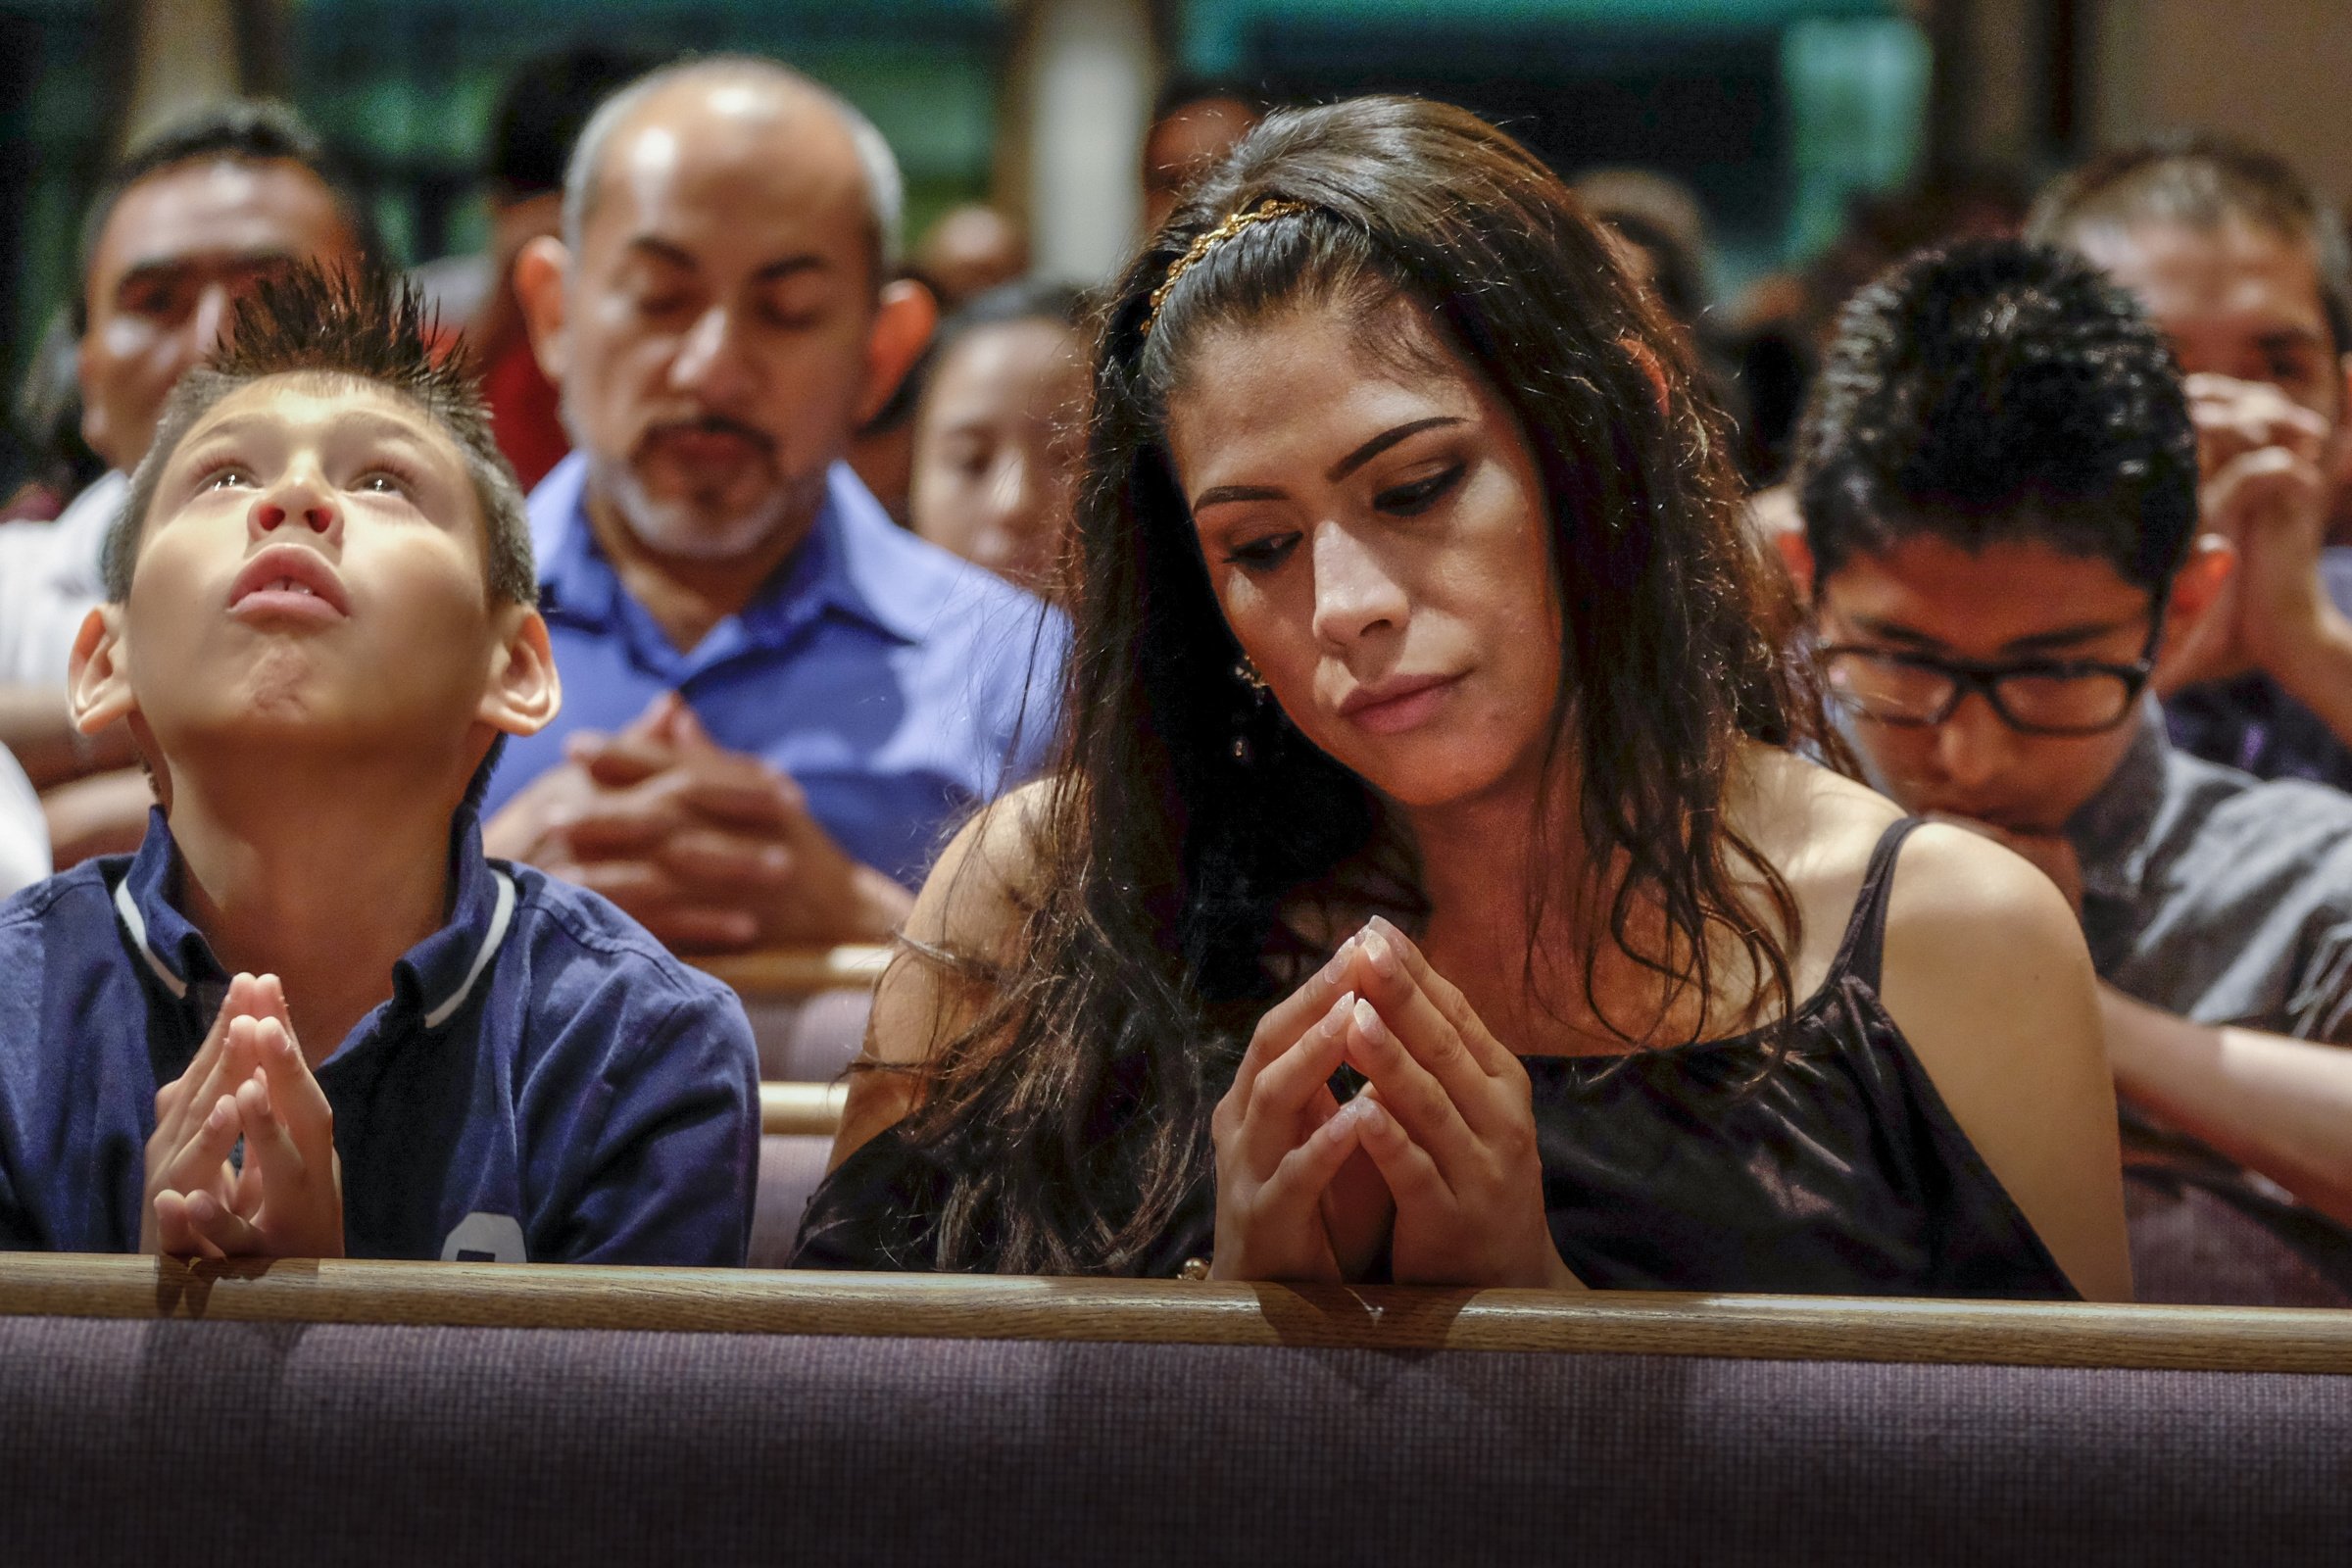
2033	696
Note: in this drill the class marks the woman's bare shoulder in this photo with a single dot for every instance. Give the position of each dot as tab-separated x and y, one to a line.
1988	977
1818	830
968	921
1985	973
987	879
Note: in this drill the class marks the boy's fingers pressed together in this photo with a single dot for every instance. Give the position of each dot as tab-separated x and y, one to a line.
221	1232
202	1161
190	1095
269	1000
295	1099
174	1235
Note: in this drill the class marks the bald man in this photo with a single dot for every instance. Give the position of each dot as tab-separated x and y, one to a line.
776	701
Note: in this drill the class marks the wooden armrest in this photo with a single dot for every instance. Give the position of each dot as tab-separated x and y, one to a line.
801	1108
782	974
1172	1312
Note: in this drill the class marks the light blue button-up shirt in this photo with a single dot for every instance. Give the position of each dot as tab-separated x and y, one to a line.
890	679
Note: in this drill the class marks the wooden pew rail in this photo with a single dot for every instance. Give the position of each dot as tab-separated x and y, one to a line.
1154	1311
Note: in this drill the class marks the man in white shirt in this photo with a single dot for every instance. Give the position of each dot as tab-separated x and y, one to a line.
190	221
23	834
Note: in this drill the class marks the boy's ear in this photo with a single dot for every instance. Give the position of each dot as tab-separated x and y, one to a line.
903	321
541	270
1772	514
2200	636
1797	557
97	686
523	695
2212	559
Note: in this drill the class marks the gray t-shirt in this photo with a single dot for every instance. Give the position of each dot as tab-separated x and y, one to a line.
2218	896
2224	899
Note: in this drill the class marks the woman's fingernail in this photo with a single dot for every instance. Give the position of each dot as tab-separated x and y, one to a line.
1336	1018
1367	1018
200	1206
1383	957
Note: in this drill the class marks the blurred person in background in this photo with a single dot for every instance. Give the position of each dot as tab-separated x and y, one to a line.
998	432
1664	242
184	226
24	831
1195	122
776	700
1777	327
538	117
57	463
2245	269
970	250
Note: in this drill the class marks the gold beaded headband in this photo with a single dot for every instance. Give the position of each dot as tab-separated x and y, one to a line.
1234	224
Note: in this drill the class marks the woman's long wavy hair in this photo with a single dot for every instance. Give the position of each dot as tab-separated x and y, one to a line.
1071	1118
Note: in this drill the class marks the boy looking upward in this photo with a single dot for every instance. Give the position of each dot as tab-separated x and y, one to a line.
1999	477
319	629
2244	270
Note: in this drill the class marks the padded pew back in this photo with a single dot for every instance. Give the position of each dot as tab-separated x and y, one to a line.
387	1412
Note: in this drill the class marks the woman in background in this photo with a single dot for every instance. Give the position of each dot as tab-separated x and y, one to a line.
1430	890
997	432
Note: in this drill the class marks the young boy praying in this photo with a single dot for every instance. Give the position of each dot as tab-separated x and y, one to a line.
308	1017
1999	473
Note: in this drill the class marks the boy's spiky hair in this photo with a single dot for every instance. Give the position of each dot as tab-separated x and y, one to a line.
1999	391
368	327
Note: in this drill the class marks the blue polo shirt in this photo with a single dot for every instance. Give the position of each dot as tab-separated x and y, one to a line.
890	679
546	1083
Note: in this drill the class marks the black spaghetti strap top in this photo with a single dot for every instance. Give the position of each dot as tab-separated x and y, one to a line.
1831	1168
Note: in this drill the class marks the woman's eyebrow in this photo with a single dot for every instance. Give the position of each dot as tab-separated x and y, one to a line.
1216	494
1384	440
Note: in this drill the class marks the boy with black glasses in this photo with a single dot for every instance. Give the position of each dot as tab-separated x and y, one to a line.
1998	476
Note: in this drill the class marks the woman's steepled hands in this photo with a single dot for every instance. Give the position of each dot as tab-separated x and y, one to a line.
1297	1196
1437	1156
1450	1123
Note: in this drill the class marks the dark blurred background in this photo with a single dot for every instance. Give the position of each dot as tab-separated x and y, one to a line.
1797	124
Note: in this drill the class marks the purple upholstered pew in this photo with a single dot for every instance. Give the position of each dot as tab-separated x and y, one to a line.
395	1413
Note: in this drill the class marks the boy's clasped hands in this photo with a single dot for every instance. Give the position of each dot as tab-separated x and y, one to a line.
249	1081
1436	1156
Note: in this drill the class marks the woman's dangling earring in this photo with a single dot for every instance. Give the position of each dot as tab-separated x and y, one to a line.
1255	684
